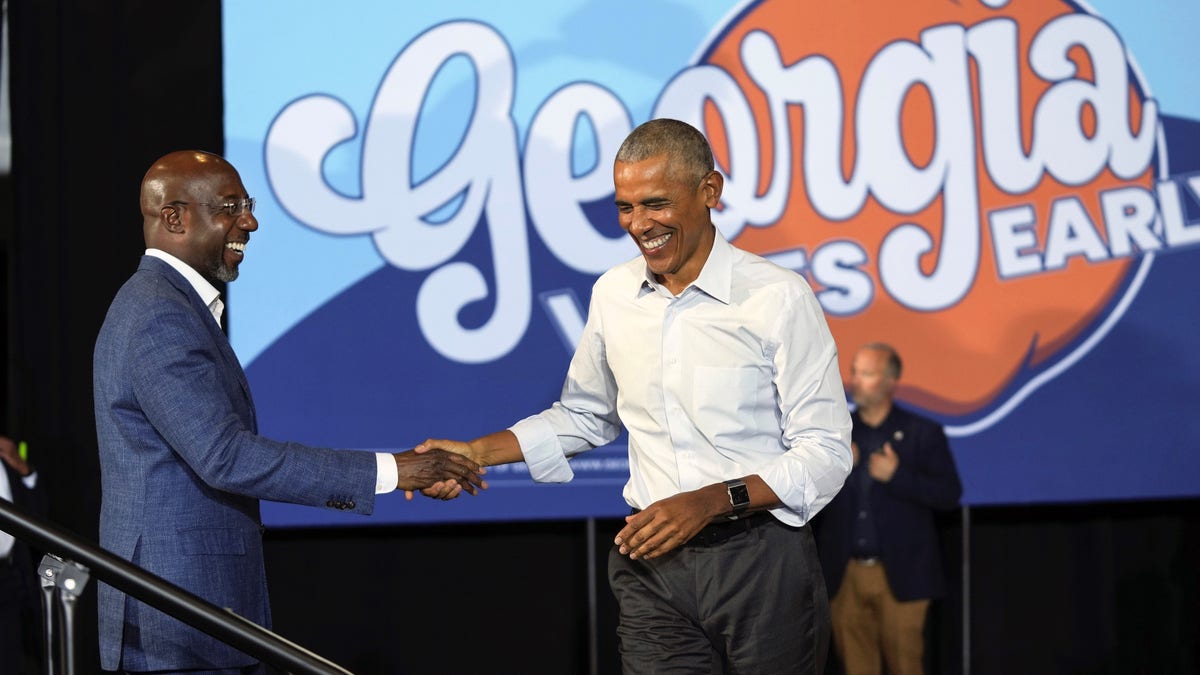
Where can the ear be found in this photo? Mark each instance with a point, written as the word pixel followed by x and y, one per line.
pixel 712 184
pixel 172 218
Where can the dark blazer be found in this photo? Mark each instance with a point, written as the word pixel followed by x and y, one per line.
pixel 925 480
pixel 182 470
pixel 32 502
pixel 20 591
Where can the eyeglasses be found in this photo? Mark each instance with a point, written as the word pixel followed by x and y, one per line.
pixel 232 208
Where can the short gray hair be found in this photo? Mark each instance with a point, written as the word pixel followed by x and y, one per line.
pixel 685 147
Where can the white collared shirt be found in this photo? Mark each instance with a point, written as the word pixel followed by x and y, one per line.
pixel 6 493
pixel 386 472
pixel 207 292
pixel 735 376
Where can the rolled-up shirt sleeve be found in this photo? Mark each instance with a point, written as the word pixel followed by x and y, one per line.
pixel 543 454
pixel 584 417
pixel 814 416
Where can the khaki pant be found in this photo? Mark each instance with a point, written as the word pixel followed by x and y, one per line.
pixel 869 623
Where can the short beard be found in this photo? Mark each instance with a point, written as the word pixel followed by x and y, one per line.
pixel 222 272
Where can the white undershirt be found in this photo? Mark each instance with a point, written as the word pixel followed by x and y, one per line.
pixel 6 493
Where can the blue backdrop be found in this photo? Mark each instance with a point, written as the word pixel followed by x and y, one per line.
pixel 435 200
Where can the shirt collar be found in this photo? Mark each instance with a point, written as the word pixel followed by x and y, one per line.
pixel 715 278
pixel 207 292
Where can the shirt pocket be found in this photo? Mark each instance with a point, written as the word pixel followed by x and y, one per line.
pixel 212 541
pixel 724 400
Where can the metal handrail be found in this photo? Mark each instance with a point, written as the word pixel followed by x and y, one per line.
pixel 223 624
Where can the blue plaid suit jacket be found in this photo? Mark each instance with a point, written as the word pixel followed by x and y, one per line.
pixel 183 469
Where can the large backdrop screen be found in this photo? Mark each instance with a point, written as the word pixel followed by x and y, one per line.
pixel 1007 191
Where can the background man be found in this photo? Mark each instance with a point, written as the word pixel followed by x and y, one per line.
pixel 20 602
pixel 721 367
pixel 877 539
pixel 182 465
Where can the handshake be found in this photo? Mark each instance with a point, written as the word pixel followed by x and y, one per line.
pixel 440 469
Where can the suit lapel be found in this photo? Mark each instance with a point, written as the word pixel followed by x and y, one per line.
pixel 209 322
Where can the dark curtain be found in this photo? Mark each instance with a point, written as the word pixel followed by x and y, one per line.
pixel 1086 589
pixel 99 90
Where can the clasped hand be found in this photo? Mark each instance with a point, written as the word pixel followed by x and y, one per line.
pixel 10 456
pixel 881 464
pixel 438 473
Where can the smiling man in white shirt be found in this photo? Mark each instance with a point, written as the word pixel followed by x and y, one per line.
pixel 721 367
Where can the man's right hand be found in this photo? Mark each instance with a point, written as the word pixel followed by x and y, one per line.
pixel 501 447
pixel 457 447
pixel 11 457
pixel 450 490
pixel 436 467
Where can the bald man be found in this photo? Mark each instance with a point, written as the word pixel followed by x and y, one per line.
pixel 182 465
pixel 877 538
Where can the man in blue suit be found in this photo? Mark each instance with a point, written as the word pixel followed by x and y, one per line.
pixel 877 540
pixel 182 465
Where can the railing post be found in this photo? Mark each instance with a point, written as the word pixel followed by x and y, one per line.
pixel 49 635
pixel 61 577
pixel 64 581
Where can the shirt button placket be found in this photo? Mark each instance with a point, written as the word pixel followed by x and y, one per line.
pixel 673 378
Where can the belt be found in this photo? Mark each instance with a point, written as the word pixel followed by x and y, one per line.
pixel 869 561
pixel 715 533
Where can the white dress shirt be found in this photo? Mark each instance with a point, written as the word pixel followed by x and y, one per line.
pixel 735 376
pixel 386 472
pixel 6 493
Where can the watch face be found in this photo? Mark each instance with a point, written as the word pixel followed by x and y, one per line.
pixel 739 495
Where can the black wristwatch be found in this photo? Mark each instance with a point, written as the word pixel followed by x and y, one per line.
pixel 739 498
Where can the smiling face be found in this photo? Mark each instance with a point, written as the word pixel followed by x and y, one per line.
pixel 216 242
pixel 183 200
pixel 667 214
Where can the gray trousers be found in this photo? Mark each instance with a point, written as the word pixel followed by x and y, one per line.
pixel 754 603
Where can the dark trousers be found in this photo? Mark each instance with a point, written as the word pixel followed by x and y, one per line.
pixel 752 603
pixel 20 619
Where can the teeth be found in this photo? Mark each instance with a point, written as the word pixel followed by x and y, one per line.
pixel 240 247
pixel 656 242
